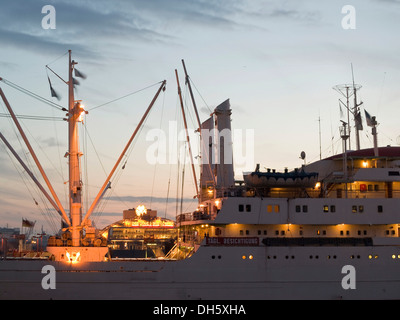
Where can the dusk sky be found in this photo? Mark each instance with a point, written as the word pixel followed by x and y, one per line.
pixel 277 62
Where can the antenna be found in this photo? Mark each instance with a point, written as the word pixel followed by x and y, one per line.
pixel 348 91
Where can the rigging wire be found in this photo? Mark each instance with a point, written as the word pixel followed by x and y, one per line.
pixel 33 95
pixel 118 173
pixel 30 117
pixel 127 95
pixel 200 95
pixel 158 151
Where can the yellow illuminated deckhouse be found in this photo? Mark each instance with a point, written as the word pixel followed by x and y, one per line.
pixel 326 230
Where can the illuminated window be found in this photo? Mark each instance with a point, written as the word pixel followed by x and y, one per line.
pixel 251 257
pixel 326 208
pixel 269 208
pixel 354 209
pixel 276 208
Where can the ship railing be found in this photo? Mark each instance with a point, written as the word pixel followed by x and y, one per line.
pixel 192 216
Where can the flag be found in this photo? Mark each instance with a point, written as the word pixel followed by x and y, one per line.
pixel 368 119
pixel 53 92
pixel 79 74
pixel 28 224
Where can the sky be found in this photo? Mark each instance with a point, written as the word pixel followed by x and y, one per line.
pixel 277 62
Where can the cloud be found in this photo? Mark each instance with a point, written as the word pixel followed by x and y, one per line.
pixel 78 27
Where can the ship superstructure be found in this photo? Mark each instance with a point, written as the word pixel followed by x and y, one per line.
pixel 326 230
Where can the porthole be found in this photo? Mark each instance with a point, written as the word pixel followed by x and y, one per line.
pixel 251 257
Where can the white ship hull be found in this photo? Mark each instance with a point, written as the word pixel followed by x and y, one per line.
pixel 217 273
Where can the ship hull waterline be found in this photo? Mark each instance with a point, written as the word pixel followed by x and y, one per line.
pixel 224 273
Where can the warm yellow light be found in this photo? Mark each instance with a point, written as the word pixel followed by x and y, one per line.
pixel 250 257
pixel 318 185
pixel 141 210
pixel 74 257
pixel 80 118
pixel 365 164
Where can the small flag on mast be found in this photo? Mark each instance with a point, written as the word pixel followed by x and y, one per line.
pixel 53 92
pixel 79 74
pixel 368 119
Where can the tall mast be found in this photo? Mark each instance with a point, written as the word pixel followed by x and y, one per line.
pixel 106 183
pixel 356 112
pixel 75 184
pixel 191 95
pixel 204 153
pixel 187 134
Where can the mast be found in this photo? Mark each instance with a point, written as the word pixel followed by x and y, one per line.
pixel 344 135
pixel 75 110
pixel 35 158
pixel 187 134
pixel 356 111
pixel 191 95
pixel 99 195
pixel 205 151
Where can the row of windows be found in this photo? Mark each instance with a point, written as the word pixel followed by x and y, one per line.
pixel 304 208
pixel 318 232
pixel 270 208
pixel 332 208
pixel 316 257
